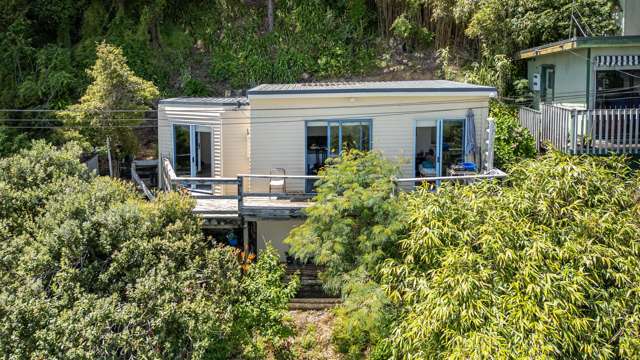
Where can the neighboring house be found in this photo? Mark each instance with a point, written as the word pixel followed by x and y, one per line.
pixel 585 72
pixel 586 90
pixel 272 144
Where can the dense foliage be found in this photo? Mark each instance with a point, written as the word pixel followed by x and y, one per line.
pixel 542 265
pixel 545 266
pixel 90 270
pixel 114 102
pixel 204 47
pixel 353 223
pixel 513 143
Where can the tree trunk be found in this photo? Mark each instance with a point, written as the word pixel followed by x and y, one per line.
pixel 270 15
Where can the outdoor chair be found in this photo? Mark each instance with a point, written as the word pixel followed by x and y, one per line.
pixel 276 181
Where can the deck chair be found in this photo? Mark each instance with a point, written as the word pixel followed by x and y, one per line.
pixel 278 182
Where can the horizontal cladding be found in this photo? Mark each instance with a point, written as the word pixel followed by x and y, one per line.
pixel 280 142
pixel 198 115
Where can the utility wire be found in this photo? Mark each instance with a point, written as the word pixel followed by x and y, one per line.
pixel 350 117
pixel 204 105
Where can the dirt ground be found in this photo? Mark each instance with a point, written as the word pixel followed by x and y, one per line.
pixel 313 335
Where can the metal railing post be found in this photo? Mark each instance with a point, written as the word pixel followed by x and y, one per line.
pixel 240 193
pixel 491 133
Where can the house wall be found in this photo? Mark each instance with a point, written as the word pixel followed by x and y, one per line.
pixel 573 72
pixel 278 136
pixel 274 232
pixel 229 127
pixel 630 12
pixel 570 76
pixel 235 145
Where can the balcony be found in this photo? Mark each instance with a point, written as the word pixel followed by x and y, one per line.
pixel 574 131
pixel 215 206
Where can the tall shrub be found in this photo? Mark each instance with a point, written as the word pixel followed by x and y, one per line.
pixel 90 270
pixel 353 221
pixel 513 143
pixel 545 266
pixel 113 103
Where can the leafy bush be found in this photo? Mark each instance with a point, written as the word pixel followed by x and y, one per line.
pixel 363 321
pixel 544 266
pixel 353 222
pixel 90 270
pixel 513 143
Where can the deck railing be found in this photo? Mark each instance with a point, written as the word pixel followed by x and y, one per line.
pixel 202 188
pixel 141 184
pixel 595 131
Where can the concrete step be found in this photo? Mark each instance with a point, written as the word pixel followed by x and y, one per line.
pixel 313 304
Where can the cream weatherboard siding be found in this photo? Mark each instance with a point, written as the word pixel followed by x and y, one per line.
pixel 278 126
pixel 228 125
pixel 235 145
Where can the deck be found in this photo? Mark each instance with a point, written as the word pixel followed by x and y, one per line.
pixel 252 206
pixel 218 209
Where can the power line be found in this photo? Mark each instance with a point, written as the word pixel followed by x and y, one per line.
pixel 350 117
pixel 204 105
pixel 563 95
pixel 106 111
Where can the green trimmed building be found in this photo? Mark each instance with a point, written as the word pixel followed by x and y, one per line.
pixel 589 72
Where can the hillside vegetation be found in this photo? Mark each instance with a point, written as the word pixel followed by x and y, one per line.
pixel 220 47
pixel 202 47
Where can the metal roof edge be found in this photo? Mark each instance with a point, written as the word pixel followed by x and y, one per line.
pixel 478 88
pixel 174 101
pixel 578 42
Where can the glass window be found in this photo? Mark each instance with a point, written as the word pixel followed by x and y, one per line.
pixel 182 141
pixel 617 89
pixel 317 146
pixel 329 139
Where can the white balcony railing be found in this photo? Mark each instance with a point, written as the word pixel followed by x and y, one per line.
pixel 595 131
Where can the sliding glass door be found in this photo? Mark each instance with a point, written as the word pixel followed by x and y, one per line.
pixel 182 150
pixel 192 150
pixel 450 148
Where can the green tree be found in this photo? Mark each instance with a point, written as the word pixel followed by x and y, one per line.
pixel 354 224
pixel 513 143
pixel 543 266
pixel 114 102
pixel 91 270
pixel 353 221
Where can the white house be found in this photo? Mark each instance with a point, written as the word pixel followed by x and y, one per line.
pixel 285 133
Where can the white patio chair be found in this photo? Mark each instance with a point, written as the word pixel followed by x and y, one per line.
pixel 276 181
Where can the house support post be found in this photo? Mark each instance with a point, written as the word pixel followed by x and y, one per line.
pixel 574 131
pixel 245 239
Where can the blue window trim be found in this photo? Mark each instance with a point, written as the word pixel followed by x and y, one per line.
pixel 440 139
pixel 369 122
pixel 439 128
pixel 192 146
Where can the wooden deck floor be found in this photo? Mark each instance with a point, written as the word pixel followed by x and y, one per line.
pixel 264 207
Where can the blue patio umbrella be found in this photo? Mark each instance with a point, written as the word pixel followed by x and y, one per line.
pixel 470 134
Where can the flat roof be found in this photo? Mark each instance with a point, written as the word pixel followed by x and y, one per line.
pixel 222 101
pixel 418 86
pixel 577 43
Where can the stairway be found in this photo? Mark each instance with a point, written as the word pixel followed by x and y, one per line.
pixel 311 295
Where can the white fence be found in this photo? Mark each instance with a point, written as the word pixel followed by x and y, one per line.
pixel 596 131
